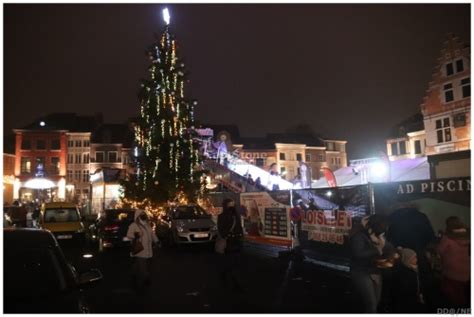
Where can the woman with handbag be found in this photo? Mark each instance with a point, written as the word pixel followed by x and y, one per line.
pixel 142 236
pixel 229 243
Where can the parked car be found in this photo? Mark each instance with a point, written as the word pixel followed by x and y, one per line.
pixel 37 277
pixel 187 224
pixel 64 221
pixel 110 229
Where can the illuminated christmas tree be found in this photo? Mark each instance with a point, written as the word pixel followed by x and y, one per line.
pixel 166 157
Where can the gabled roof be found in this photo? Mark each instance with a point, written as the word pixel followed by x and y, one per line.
pixel 257 144
pixel 113 134
pixel 64 121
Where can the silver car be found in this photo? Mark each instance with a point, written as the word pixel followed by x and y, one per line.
pixel 191 224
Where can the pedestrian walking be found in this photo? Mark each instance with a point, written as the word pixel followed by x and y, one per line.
pixel 229 244
pixel 141 233
pixel 406 291
pixel 454 250
pixel 367 245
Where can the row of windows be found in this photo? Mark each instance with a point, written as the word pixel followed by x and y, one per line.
pixel 335 160
pixel 78 143
pixel 26 144
pixel 299 157
pixel 76 176
pixel 112 157
pixel 26 165
pixel 465 85
pixel 399 148
pixel 78 158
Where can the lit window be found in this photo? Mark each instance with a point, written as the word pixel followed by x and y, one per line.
pixel 448 92
pixel 25 165
pixel 443 130
pixel 85 176
pixel 466 87
pixel 69 176
pixel 55 165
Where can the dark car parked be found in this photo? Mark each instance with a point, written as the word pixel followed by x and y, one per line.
pixel 37 278
pixel 110 229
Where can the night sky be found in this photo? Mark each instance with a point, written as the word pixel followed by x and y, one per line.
pixel 351 71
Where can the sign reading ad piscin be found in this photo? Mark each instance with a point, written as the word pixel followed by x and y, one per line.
pixel 438 199
pixel 266 217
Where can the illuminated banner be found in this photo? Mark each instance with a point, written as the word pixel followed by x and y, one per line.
pixel 266 217
pixel 326 218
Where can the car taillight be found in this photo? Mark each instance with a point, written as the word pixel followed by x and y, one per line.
pixel 111 228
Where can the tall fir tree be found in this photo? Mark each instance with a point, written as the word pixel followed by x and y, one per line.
pixel 167 157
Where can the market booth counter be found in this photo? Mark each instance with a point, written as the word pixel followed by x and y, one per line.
pixel 106 186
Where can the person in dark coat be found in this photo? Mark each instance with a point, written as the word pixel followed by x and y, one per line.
pixel 410 228
pixel 229 226
pixel 367 244
pixel 406 291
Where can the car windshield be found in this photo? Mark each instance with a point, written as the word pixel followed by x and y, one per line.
pixel 190 212
pixel 31 272
pixel 119 215
pixel 61 215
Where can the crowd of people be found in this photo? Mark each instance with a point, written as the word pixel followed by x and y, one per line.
pixel 392 271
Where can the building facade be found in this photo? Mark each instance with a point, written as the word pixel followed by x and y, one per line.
pixel 447 104
pixel 78 166
pixel 336 155
pixel 40 152
pixel 286 151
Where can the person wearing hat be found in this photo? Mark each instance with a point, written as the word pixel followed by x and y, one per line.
pixel 407 296
pixel 454 250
